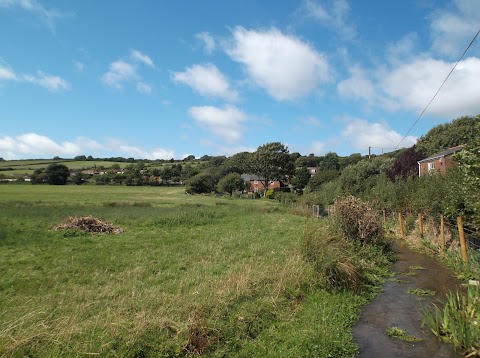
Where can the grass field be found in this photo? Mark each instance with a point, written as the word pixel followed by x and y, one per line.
pixel 189 275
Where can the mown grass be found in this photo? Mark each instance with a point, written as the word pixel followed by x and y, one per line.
pixel 189 275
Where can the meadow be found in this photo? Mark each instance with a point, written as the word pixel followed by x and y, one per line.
pixel 188 275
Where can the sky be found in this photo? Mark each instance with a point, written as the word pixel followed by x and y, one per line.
pixel 168 79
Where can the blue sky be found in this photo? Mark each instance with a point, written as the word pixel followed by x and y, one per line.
pixel 165 79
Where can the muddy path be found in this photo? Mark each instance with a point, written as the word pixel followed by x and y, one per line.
pixel 396 307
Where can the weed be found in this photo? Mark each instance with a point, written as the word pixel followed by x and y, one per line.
pixel 397 280
pixel 401 334
pixel 421 292
pixel 458 322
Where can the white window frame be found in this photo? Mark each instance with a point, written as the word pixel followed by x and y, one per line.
pixel 431 166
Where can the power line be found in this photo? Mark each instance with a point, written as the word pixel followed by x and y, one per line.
pixel 445 80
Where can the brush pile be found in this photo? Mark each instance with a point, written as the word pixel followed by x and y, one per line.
pixel 88 224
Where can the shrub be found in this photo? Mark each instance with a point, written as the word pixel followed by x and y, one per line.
pixel 357 220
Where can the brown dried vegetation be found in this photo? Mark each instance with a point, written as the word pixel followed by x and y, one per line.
pixel 89 224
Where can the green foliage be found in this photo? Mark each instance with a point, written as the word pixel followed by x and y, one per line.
pixel 271 161
pixel 331 161
pixel 231 182
pixel 202 183
pixel 360 178
pixel 78 178
pixel 459 321
pixel 322 177
pixel 469 167
pixel 302 176
pixel 463 130
pixel 57 174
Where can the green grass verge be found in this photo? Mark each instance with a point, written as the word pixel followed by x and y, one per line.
pixel 188 275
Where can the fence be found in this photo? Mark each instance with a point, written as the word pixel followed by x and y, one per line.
pixel 469 239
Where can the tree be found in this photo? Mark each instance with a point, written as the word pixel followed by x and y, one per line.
pixel 302 176
pixel 38 176
pixel 242 161
pixel 57 174
pixel 231 182
pixel 272 160
pixel 202 183
pixel 406 164
pixel 331 161
pixel 463 130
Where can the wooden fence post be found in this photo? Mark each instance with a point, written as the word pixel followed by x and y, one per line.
pixel 420 225
pixel 442 232
pixel 400 218
pixel 463 244
pixel 384 219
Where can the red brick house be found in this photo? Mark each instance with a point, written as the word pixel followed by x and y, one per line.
pixel 438 163
pixel 257 184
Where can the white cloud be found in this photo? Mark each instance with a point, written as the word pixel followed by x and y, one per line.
pixel 7 74
pixel 285 66
pixel 362 134
pixel 156 153
pixel 403 50
pixel 206 80
pixel 413 84
pixel 144 88
pixel 42 79
pixel 123 72
pixel 32 145
pixel 410 86
pixel 119 73
pixel 48 16
pixel 336 15
pixel 208 41
pixel 35 145
pixel 141 57
pixel 225 122
pixel 358 86
pixel 453 28
pixel 50 82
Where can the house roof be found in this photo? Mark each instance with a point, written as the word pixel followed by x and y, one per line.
pixel 442 154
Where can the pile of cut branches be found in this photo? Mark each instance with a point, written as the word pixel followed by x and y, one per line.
pixel 89 224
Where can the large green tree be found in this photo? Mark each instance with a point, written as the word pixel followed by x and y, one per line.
pixel 272 161
pixel 231 182
pixel 57 174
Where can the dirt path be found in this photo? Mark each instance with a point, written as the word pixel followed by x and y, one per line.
pixel 396 307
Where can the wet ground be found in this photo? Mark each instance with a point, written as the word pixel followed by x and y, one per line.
pixel 396 307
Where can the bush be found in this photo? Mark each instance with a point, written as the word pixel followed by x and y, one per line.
pixel 357 220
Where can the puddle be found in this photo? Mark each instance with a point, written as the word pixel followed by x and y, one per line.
pixel 396 307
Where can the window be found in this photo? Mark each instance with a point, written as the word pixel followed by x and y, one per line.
pixel 431 166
